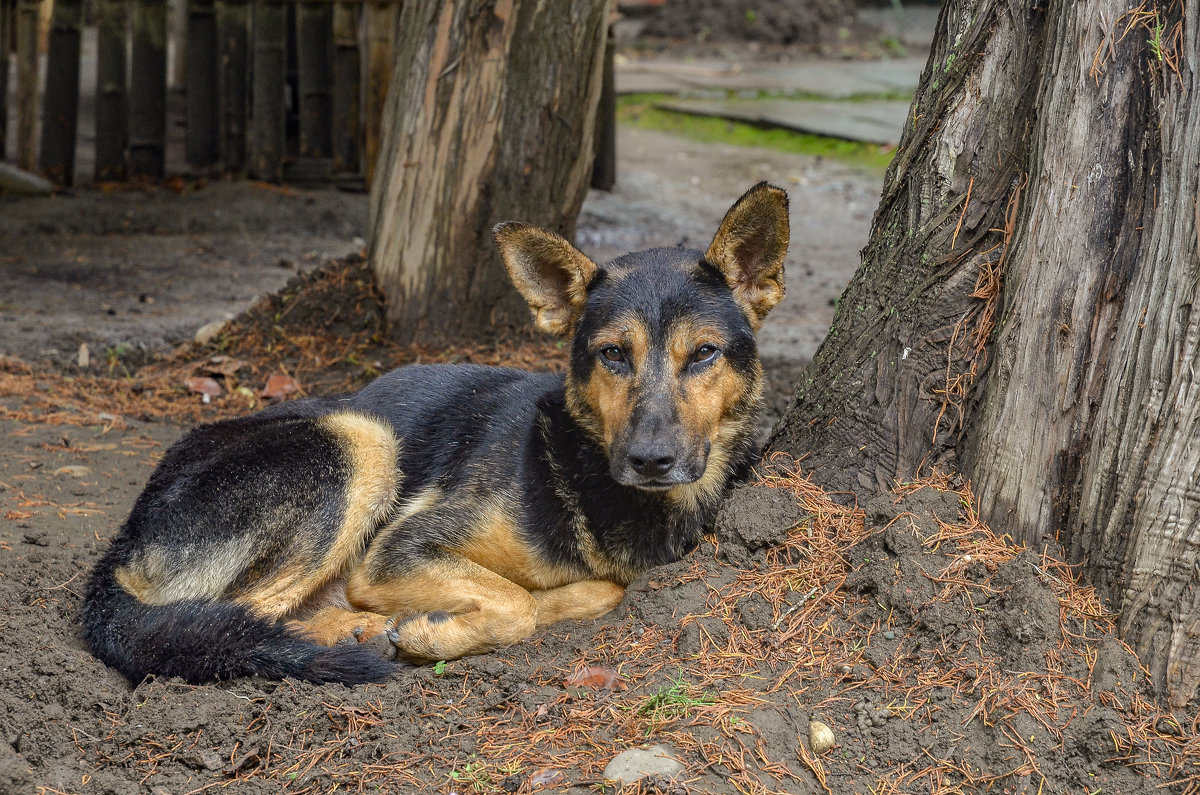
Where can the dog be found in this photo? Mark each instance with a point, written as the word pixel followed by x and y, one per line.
pixel 455 509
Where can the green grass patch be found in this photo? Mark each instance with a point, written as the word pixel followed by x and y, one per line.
pixel 638 110
pixel 675 700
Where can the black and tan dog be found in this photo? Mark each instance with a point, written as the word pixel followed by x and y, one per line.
pixel 457 508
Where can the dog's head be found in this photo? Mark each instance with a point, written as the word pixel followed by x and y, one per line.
pixel 664 370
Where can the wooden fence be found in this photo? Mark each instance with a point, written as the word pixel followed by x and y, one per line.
pixel 287 90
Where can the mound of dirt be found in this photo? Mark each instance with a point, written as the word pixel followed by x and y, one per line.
pixel 782 22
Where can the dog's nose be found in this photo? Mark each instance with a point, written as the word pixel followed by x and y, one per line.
pixel 653 461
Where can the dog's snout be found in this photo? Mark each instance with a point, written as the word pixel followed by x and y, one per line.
pixel 653 460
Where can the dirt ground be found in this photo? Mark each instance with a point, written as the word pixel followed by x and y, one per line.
pixel 942 659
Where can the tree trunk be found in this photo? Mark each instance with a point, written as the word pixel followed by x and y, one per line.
pixel 1023 308
pixel 490 118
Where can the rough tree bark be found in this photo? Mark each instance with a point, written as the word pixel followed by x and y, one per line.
pixel 490 118
pixel 1023 310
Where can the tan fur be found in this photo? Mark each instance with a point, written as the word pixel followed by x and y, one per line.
pixel 495 546
pixel 372 449
pixel 749 249
pixel 280 592
pixel 330 625
pixel 606 396
pixel 711 482
pixel 548 271
pixel 204 572
pixel 583 600
pixel 486 610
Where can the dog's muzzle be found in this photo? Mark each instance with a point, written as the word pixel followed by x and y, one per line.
pixel 657 465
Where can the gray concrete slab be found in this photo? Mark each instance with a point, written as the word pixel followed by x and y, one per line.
pixel 870 121
pixel 833 79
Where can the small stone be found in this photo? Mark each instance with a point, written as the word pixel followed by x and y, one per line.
pixel 206 759
pixel 845 669
pixel 820 737
pixel 889 635
pixel 208 331
pixel 638 763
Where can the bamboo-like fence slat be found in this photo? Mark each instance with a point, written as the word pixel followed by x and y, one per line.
pixel 202 143
pixel 148 95
pixel 112 93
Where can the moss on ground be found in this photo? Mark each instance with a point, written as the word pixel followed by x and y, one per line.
pixel 639 110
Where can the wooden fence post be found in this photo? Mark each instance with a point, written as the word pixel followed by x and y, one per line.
pixel 233 30
pixel 314 30
pixel 381 36
pixel 27 83
pixel 148 97
pixel 347 89
pixel 6 35
pixel 112 97
pixel 270 65
pixel 604 167
pixel 60 102
pixel 203 143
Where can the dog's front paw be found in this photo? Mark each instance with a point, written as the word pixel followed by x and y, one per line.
pixel 332 626
pixel 420 637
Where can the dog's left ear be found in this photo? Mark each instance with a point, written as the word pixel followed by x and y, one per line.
pixel 548 271
pixel 750 247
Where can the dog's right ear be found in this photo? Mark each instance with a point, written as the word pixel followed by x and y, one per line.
pixel 548 271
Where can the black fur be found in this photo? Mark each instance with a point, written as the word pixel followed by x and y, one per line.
pixel 238 508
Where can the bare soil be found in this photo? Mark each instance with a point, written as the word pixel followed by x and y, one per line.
pixel 943 659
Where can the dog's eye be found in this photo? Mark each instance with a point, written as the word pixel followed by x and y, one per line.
pixel 612 353
pixel 704 354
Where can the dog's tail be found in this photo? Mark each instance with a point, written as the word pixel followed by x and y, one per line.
pixel 204 640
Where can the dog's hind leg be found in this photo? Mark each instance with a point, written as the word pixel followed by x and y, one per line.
pixel 580 600
pixel 313 557
pixel 447 608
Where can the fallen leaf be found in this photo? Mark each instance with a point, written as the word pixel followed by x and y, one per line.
pixel 204 385
pixel 279 386
pixel 74 470
pixel 547 777
pixel 224 366
pixel 593 676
